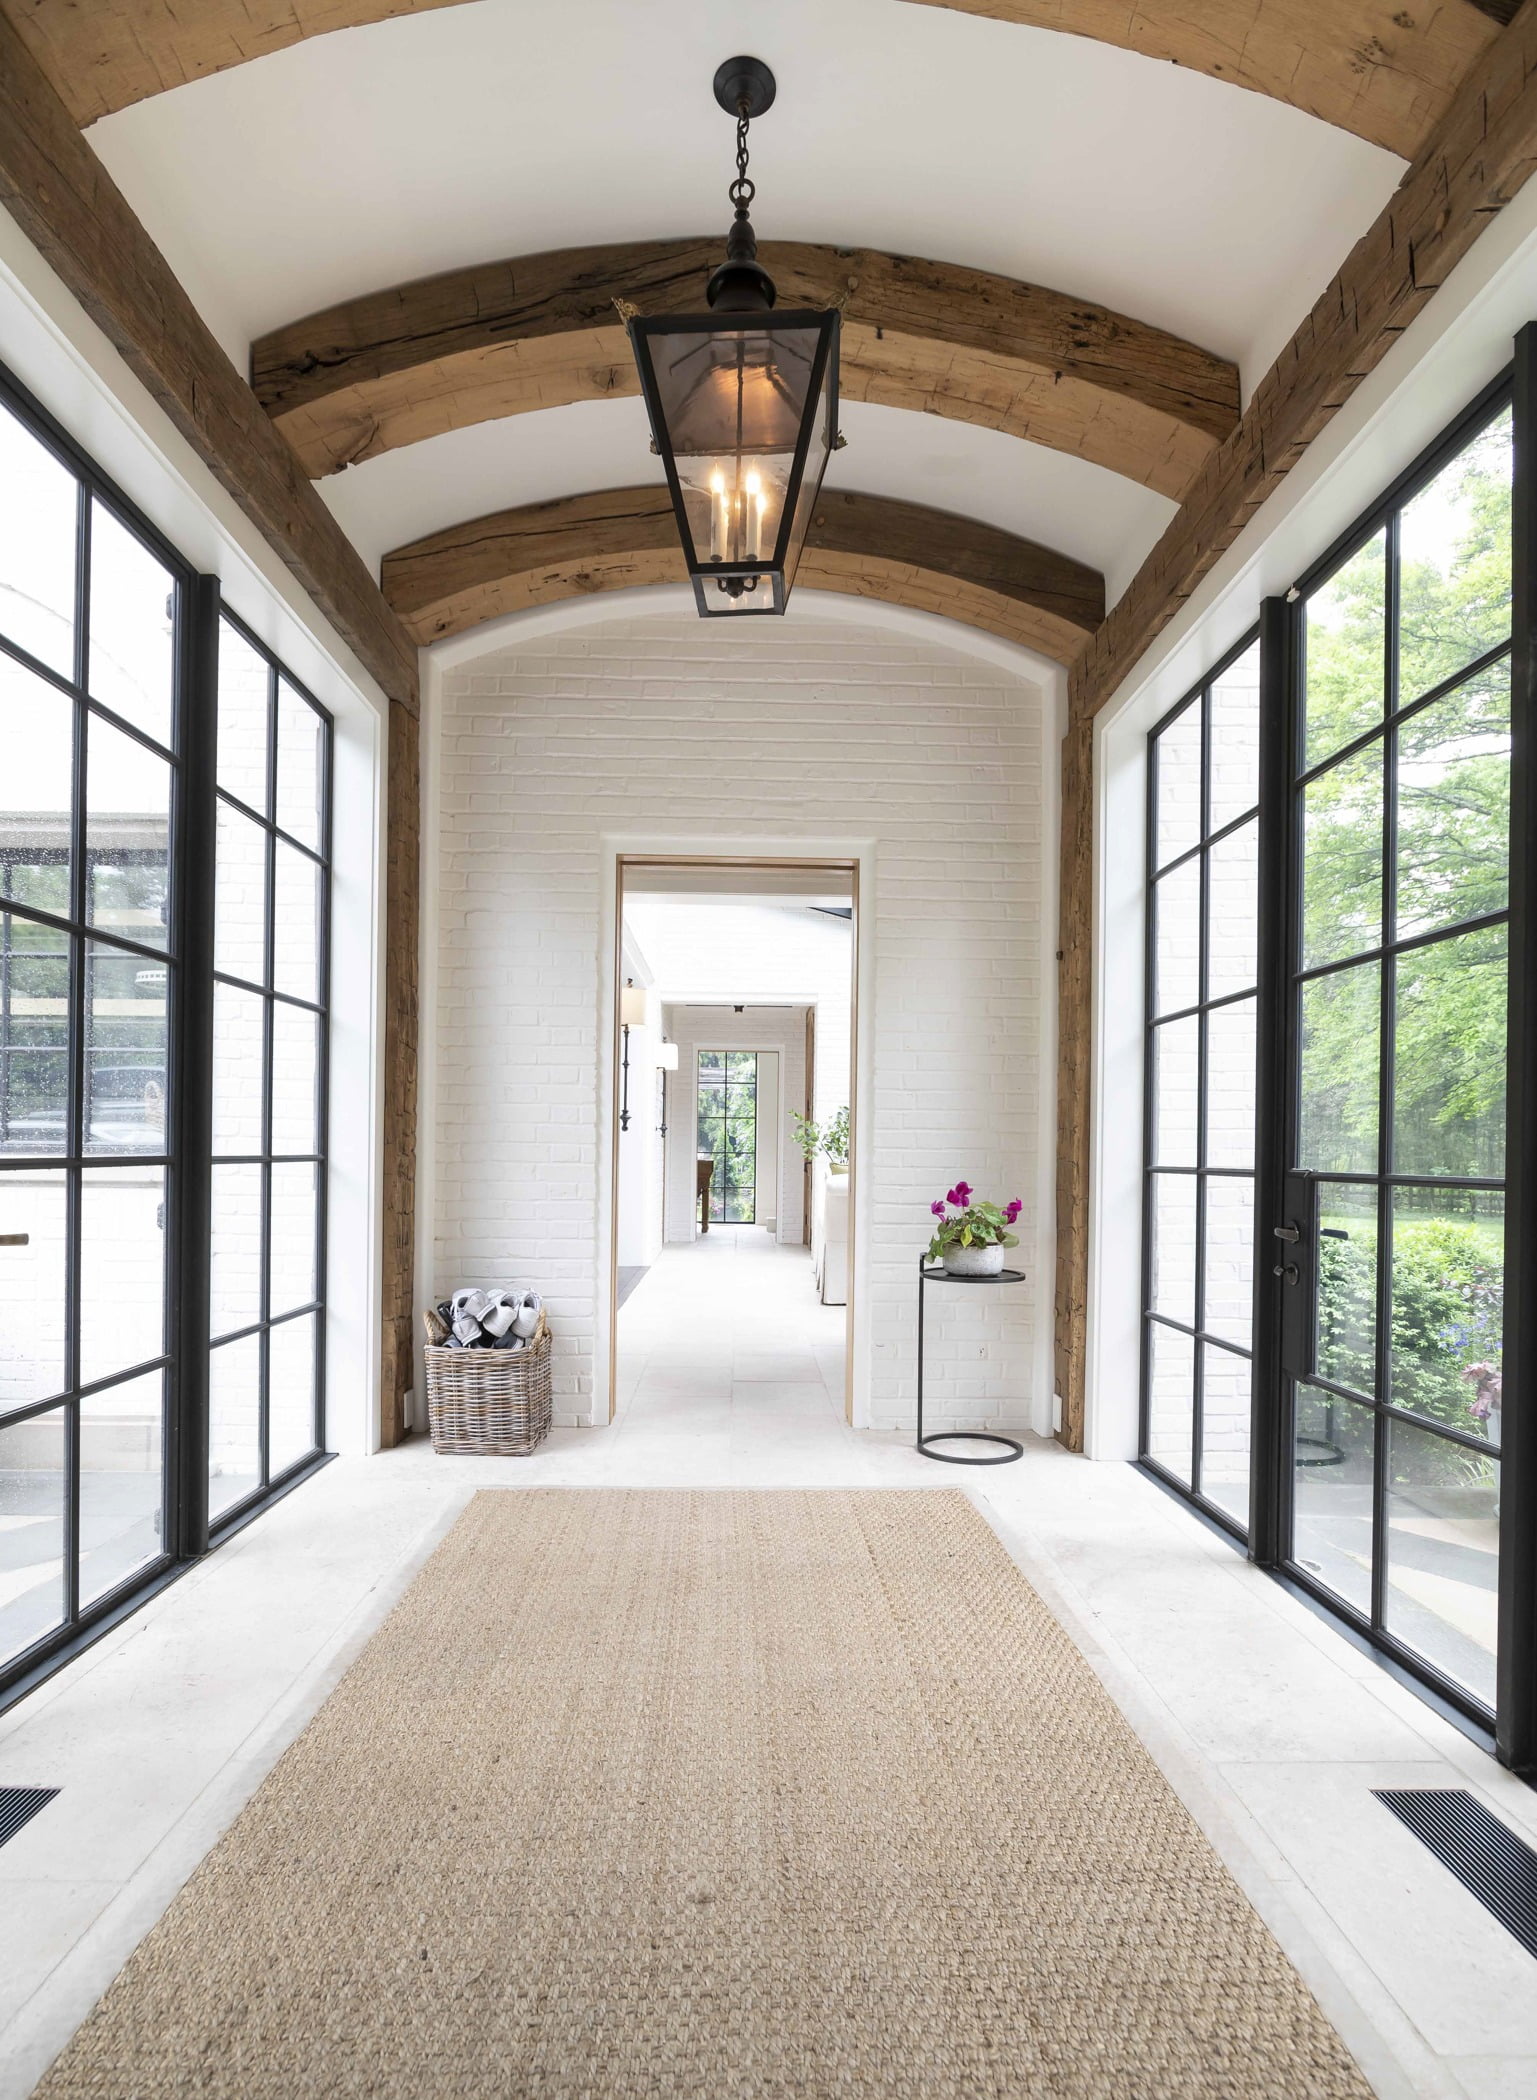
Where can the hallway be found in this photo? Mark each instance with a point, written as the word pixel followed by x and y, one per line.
pixel 725 1352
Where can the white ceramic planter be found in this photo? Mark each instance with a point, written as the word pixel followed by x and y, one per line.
pixel 974 1261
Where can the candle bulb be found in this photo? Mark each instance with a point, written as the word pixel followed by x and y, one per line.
pixel 717 516
pixel 754 518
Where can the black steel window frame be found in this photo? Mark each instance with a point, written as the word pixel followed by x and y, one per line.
pixel 1201 1173
pixel 1281 1300
pixel 1512 1729
pixel 187 957
pixel 265 1159
pixel 719 1192
pixel 76 934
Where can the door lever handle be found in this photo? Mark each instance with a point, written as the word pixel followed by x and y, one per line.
pixel 1289 1233
pixel 14 1239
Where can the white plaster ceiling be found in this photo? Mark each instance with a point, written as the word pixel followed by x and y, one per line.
pixel 1080 509
pixel 355 160
pixel 361 159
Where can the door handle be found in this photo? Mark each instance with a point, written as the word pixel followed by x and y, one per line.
pixel 1288 1269
pixel 15 1239
pixel 1289 1233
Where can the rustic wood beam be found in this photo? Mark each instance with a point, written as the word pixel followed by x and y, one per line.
pixel 539 331
pixel 868 546
pixel 1481 153
pixel 62 198
pixel 106 54
pixel 1375 67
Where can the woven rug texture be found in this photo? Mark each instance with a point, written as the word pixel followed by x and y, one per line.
pixel 647 1793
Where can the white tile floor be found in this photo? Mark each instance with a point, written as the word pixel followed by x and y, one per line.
pixel 1273 1730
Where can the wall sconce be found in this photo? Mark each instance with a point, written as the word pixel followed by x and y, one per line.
pixel 633 1005
pixel 666 1061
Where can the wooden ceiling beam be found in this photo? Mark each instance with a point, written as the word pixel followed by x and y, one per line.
pixel 540 331
pixel 1375 67
pixel 866 546
pixel 1481 154
pixel 62 198
pixel 106 54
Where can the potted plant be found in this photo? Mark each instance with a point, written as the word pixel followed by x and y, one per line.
pixel 973 1240
pixel 832 1143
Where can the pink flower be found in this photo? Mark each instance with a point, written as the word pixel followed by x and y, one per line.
pixel 1014 1210
pixel 938 1209
pixel 960 1195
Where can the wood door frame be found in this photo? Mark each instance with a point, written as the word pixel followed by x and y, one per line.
pixel 843 865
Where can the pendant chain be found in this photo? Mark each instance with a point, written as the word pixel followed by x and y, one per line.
pixel 742 190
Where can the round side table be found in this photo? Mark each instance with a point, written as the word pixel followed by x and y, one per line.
pixel 1011 1450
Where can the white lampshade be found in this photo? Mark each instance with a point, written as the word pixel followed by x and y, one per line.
pixel 633 1005
pixel 667 1057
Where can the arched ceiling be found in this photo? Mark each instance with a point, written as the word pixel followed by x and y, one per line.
pixel 1373 67
pixel 1086 512
pixel 865 546
pixel 1126 207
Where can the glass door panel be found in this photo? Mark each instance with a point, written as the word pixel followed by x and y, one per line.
pixel 88 982
pixel 1391 1246
pixel 1203 967
pixel 270 1043
pixel 728 1132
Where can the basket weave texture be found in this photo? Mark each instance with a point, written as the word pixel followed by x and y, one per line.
pixel 494 1402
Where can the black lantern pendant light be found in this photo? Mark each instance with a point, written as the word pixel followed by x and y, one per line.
pixel 743 404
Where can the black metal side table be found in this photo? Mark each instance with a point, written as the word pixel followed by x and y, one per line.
pixel 1011 1450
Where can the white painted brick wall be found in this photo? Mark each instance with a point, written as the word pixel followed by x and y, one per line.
pixel 663 726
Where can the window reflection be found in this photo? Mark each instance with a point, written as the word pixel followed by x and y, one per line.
pixel 1443 1546
pixel 1332 1458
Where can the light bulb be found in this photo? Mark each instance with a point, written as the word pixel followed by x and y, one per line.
pixel 717 516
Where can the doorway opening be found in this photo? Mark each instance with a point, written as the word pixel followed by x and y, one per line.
pixel 733 1160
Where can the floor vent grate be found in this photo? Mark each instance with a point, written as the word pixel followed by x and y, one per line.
pixel 1485 1856
pixel 19 1804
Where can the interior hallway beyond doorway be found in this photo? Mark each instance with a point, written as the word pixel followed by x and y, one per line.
pixel 724 1343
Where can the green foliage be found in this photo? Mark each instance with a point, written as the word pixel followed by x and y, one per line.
pixel 833 1141
pixel 982 1225
pixel 1447 1316
pixel 1453 821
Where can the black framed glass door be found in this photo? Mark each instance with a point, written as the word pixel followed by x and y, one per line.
pixel 1393 1071
pixel 1390 1249
pixel 728 1132
pixel 92 622
pixel 132 745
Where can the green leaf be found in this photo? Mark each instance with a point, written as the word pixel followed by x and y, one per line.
pixel 966 1236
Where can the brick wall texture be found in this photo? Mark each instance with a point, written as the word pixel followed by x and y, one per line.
pixel 669 730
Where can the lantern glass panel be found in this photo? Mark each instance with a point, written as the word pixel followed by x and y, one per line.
pixel 733 402
pixel 820 440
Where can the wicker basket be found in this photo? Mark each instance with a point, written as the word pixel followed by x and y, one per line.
pixel 494 1402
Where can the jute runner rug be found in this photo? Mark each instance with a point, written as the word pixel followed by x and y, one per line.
pixel 642 1794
